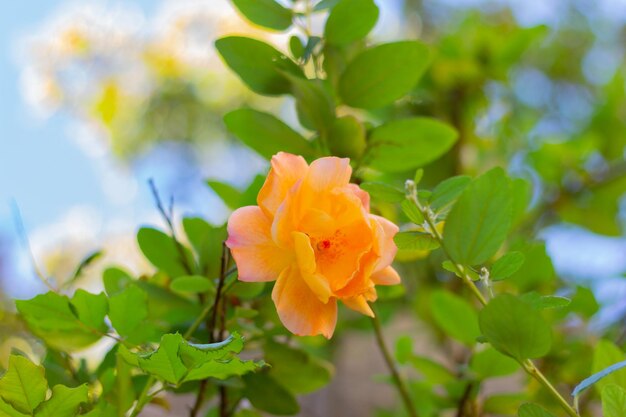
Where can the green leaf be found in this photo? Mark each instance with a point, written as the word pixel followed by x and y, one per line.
pixel 506 266
pixel 401 145
pixel 296 47
pixel 446 192
pixel 295 369
pixel 128 311
pixel 380 75
pixel 177 361
pixel 268 395
pixel 7 411
pixel 314 104
pixel 160 249
pixel 605 356
pixel 192 284
pixel 91 309
pixel 325 4
pixel 490 363
pixel 533 410
pixel 584 302
pixel 404 349
pixel 433 372
pixel 65 402
pixel 350 20
pixel 56 320
pixel 207 241
pixel 383 192
pixel 412 212
pixel 451 267
pixel 613 401
pixel 455 316
pixel 24 384
pixel 415 241
pixel 165 363
pixel 226 192
pixel 266 134
pixel 257 64
pixel 515 328
pixel 88 260
pixel 115 280
pixel 480 220
pixel 266 13
pixel 540 302
pixel 503 404
pixel 346 137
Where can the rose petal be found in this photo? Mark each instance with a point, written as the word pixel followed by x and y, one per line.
pixel 386 276
pixel 286 170
pixel 308 269
pixel 257 257
pixel 299 309
pixel 359 303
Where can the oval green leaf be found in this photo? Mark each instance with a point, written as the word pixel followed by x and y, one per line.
pixel 401 145
pixel 380 75
pixel 350 20
pixel 266 13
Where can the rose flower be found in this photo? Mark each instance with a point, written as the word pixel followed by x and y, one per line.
pixel 312 232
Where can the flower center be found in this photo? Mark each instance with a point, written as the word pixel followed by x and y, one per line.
pixel 323 244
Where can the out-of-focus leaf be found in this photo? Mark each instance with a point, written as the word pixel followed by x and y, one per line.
pixel 207 241
pixel 415 241
pixel 613 401
pixel 405 144
pixel 446 192
pixel 490 363
pixel 257 64
pixel 64 402
pixel 162 252
pixel 266 134
pixel 533 410
pixel 266 13
pixel 346 137
pixel 383 192
pixel 605 355
pixel 455 316
pixel 540 302
pixel 268 395
pixel 380 75
pixel 24 384
pixel 226 192
pixel 350 20
pixel 192 284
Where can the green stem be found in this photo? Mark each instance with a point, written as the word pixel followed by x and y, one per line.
pixel 528 365
pixel 412 195
pixel 143 397
pixel 534 372
pixel 397 378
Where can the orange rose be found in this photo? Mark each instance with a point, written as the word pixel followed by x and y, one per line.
pixel 312 231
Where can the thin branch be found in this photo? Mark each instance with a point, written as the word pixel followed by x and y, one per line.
pixel 168 217
pixel 397 378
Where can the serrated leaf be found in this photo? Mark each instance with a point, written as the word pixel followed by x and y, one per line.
pixel 480 220
pixel 515 328
pixel 383 192
pixel 24 384
pixel 266 13
pixel 382 74
pixel 350 20
pixel 401 145
pixel 506 266
pixel 455 316
pixel 64 402
pixel 128 310
pixel 257 64
pixel 53 318
pixel 266 134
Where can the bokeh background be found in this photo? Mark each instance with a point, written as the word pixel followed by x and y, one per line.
pixel 96 98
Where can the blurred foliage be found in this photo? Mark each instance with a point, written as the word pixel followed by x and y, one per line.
pixel 476 91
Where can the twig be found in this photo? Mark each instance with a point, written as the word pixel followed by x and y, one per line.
pixel 168 219
pixel 397 378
